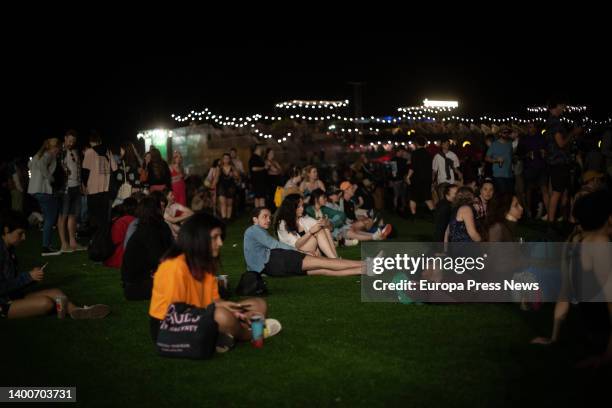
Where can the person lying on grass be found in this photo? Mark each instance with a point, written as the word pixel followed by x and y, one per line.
pixel 302 231
pixel 264 254
pixel 188 275
pixel 17 298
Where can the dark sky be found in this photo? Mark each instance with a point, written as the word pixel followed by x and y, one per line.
pixel 119 85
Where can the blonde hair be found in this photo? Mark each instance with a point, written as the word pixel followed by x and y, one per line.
pixel 47 145
pixel 306 172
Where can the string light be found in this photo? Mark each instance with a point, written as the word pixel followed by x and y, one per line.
pixel 296 104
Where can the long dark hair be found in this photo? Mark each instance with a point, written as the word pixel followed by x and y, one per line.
pixel 158 165
pixel 497 209
pixel 130 157
pixel 149 211
pixel 286 212
pixel 194 242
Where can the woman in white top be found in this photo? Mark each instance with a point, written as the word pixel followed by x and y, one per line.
pixel 42 166
pixel 301 231
pixel 175 213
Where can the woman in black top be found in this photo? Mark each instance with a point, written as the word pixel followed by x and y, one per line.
pixel 419 177
pixel 144 250
pixel 158 172
pixel 257 167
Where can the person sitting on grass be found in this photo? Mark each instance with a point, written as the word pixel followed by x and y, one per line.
pixel 339 220
pixel 17 297
pixel 487 191
pixel 462 225
pixel 121 222
pixel 175 213
pixel 144 249
pixel 302 231
pixel 162 202
pixel 360 220
pixel 264 254
pixel 188 274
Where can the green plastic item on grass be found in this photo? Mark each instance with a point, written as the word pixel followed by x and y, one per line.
pixel 401 295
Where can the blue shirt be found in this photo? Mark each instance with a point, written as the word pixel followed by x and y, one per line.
pixel 257 246
pixel 503 150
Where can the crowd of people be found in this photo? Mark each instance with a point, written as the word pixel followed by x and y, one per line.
pixel 164 231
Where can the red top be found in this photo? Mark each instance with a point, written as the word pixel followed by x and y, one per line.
pixel 178 186
pixel 118 231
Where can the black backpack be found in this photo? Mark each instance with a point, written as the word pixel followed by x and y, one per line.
pixel 251 284
pixel 101 246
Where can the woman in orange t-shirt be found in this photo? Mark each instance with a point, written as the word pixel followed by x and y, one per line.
pixel 188 274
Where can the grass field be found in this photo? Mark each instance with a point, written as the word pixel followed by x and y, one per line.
pixel 333 350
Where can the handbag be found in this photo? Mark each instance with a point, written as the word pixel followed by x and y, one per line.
pixel 251 284
pixel 125 190
pixel 188 332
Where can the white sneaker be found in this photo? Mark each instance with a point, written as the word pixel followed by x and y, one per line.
pixel 377 236
pixel 272 328
pixel 351 242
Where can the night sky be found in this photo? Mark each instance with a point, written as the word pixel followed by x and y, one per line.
pixel 121 85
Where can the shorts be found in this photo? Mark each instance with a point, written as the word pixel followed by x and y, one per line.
pixel 4 309
pixel 71 202
pixel 284 262
pixel 536 177
pixel 559 177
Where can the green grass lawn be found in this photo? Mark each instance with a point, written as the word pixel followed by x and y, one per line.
pixel 333 350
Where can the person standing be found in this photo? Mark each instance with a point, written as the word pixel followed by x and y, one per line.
pixel 158 172
pixel 275 172
pixel 177 174
pixel 445 165
pixel 42 166
pixel 98 164
pixel 419 176
pixel 399 173
pixel 229 178
pixel 70 196
pixel 500 155
pixel 258 168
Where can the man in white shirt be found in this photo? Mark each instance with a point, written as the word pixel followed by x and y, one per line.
pixel 445 165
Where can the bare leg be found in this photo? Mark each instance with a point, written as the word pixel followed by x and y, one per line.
pixel 552 205
pixel 429 204
pixel 311 263
pixel 412 207
pixel 545 196
pixel 61 229
pixel 329 272
pixel 72 228
pixel 326 244
pixel 31 307
pixel 222 206
pixel 310 245
pixel 230 324
pixel 51 294
pixel 359 236
pixel 230 204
